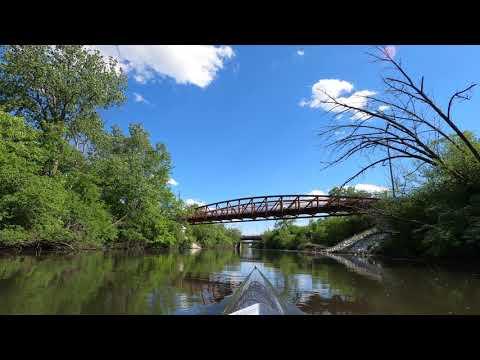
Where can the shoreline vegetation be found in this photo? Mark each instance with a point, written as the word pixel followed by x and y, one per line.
pixel 68 183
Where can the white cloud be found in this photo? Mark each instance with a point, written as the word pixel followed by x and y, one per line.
pixel 370 188
pixel 340 90
pixel 139 98
pixel 383 108
pixel 358 99
pixel 300 52
pixel 186 64
pixel 191 202
pixel 317 192
pixel 172 182
pixel 332 87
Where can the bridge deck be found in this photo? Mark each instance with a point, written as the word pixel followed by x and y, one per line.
pixel 279 207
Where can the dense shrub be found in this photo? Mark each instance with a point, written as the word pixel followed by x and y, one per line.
pixel 326 232
pixel 36 207
pixel 210 235
pixel 442 216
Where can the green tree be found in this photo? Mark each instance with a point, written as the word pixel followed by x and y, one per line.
pixel 442 216
pixel 211 235
pixel 133 177
pixel 58 84
pixel 64 179
pixel 348 191
pixel 327 232
pixel 36 209
pixel 59 88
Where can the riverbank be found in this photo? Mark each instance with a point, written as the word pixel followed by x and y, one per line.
pixel 427 260
pixel 366 242
pixel 80 248
pixel 369 243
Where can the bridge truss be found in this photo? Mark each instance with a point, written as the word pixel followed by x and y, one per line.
pixel 276 207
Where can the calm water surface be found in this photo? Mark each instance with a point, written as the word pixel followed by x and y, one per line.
pixel 201 283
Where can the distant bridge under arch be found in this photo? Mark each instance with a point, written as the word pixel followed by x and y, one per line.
pixel 251 238
pixel 276 207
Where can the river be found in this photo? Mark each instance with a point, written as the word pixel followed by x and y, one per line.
pixel 201 283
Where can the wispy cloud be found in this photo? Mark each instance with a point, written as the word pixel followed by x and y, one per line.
pixel 300 52
pixel 172 182
pixel 186 64
pixel 139 98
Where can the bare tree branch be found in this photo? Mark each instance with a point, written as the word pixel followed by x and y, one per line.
pixel 412 124
pixel 370 166
pixel 459 94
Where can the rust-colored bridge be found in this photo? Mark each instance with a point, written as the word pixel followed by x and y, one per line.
pixel 276 207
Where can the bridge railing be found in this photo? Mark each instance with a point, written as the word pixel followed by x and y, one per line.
pixel 260 206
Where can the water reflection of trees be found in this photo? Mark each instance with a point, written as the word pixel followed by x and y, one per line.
pixel 208 291
pixel 109 283
pixel 164 283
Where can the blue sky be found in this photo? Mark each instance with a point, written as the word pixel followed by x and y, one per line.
pixel 231 115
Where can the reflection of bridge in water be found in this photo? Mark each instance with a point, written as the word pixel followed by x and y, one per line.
pixel 211 291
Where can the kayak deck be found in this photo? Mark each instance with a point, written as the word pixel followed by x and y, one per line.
pixel 256 296
pixel 256 309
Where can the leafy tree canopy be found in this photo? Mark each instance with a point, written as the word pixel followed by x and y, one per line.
pixel 63 84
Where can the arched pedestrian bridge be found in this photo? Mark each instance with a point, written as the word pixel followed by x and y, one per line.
pixel 275 207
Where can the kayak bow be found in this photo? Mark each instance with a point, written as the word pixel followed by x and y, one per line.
pixel 257 296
